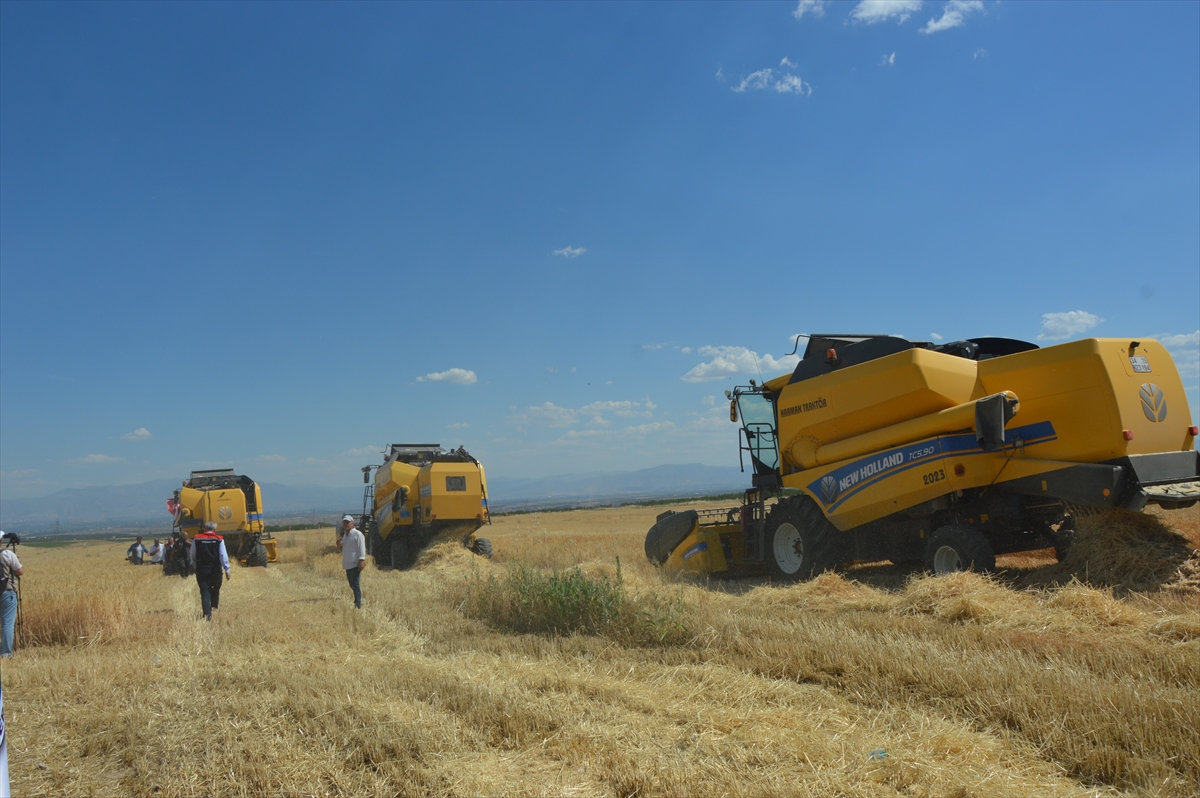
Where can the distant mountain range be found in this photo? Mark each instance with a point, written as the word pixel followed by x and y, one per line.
pixel 144 504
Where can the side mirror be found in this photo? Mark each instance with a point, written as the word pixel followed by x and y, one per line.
pixel 366 475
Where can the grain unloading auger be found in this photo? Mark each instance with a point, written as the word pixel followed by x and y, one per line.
pixel 878 448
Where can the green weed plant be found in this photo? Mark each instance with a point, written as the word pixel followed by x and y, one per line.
pixel 530 600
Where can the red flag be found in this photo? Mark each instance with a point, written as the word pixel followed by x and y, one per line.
pixel 172 506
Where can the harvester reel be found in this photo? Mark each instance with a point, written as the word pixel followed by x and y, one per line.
pixel 668 533
pixel 958 547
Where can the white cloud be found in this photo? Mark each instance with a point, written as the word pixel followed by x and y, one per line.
pixel 545 415
pixel 363 451
pixel 1057 326
pixel 655 346
pixel 888 60
pixel 456 376
pixel 793 84
pixel 1189 341
pixel 737 361
pixel 814 7
pixel 935 337
pixel 980 53
pixel 271 458
pixel 954 14
pixel 458 425
pixel 570 252
pixel 1185 351
pixel 98 458
pixel 765 79
pixel 623 409
pixel 872 11
pixel 139 434
pixel 720 73
pixel 709 401
pixel 687 350
pixel 786 63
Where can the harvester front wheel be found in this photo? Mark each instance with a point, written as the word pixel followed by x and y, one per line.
pixel 958 547
pixel 257 558
pixel 483 547
pixel 800 541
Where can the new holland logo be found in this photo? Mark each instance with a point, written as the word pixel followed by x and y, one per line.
pixel 1154 405
pixel 829 489
pixel 225 513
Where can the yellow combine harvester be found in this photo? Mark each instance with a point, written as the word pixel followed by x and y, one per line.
pixel 941 454
pixel 234 503
pixel 421 490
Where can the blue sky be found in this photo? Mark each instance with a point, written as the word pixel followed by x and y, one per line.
pixel 278 236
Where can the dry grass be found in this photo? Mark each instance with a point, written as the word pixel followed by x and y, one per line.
pixel 858 684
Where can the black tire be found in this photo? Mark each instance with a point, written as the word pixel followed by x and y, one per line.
pixel 1064 536
pixel 379 548
pixel 257 558
pixel 800 541
pixel 668 533
pixel 958 547
pixel 402 552
pixel 483 547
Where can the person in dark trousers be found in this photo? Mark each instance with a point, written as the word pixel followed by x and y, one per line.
pixel 354 556
pixel 208 557
pixel 136 552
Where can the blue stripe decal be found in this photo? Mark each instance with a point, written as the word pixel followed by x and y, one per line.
pixel 839 485
pixel 694 550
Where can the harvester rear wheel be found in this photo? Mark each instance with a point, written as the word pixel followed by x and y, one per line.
pixel 800 541
pixel 483 547
pixel 257 558
pixel 958 547
pixel 668 533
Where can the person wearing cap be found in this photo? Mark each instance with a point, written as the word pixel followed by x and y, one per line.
pixel 208 557
pixel 354 556
pixel 10 572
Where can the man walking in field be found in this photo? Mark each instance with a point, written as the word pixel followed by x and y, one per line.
pixel 354 556
pixel 208 556
pixel 10 572
pixel 136 552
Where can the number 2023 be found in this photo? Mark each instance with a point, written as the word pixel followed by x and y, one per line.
pixel 936 476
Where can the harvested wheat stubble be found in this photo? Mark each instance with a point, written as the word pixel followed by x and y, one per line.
pixel 961 685
pixel 1129 552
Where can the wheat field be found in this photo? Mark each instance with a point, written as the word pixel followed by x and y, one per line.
pixel 1080 678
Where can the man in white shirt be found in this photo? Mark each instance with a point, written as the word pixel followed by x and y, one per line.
pixel 10 572
pixel 156 553
pixel 354 556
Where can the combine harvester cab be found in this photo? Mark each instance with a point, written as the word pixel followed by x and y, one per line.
pixel 946 455
pixel 420 491
pixel 234 503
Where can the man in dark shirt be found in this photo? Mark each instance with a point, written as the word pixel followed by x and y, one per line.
pixel 208 557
